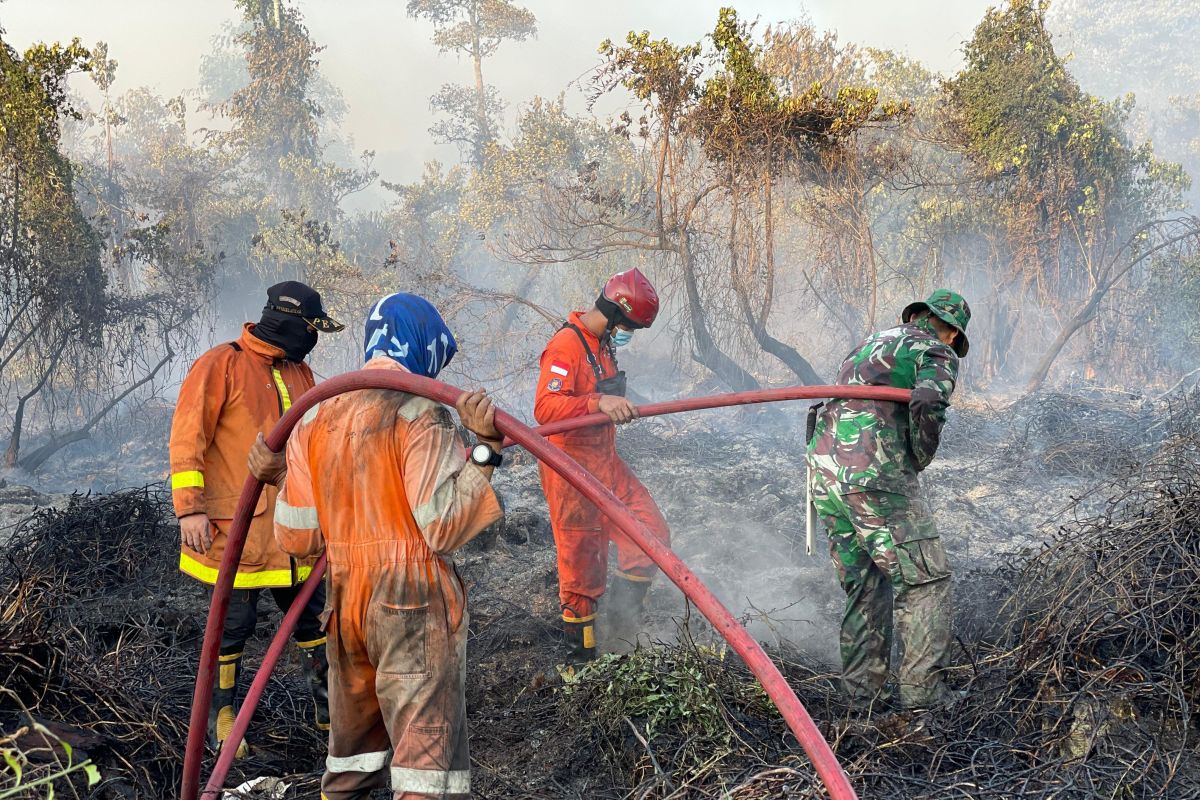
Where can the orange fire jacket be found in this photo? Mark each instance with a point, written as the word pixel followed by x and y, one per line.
pixel 232 392
pixel 380 479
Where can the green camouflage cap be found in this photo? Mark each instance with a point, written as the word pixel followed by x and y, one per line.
pixel 950 308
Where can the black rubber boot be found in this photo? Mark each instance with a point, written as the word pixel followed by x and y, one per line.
pixel 316 671
pixel 624 610
pixel 223 711
pixel 580 635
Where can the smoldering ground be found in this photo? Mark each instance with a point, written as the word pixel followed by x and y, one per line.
pixel 734 499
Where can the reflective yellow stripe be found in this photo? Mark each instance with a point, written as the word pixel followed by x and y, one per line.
pixel 191 479
pixel 635 578
pixel 312 644
pixel 243 580
pixel 227 675
pixel 230 657
pixel 302 573
pixel 284 398
pixel 588 618
pixel 589 637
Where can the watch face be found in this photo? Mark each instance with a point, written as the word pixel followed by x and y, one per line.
pixel 481 454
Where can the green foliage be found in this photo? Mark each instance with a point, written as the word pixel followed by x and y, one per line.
pixel 273 115
pixel 902 79
pixel 550 147
pixel 462 124
pixel 52 254
pixel 742 108
pixel 1147 49
pixel 475 27
pixel 1023 119
pixel 662 75
pixel 660 688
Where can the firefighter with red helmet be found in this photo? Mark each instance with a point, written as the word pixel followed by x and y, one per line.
pixel 579 376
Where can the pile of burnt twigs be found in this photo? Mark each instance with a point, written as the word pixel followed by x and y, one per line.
pixel 1082 689
pixel 99 635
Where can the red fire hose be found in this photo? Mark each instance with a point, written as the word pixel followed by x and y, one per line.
pixel 731 399
pixel 722 620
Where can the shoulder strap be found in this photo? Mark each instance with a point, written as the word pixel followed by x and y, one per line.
pixel 236 346
pixel 591 357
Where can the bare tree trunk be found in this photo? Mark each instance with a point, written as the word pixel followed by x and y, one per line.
pixel 1107 278
pixel 658 183
pixel 16 211
pixel 483 129
pixel 789 355
pixel 14 440
pixel 1081 318
pixel 757 323
pixel 706 351
pixel 34 460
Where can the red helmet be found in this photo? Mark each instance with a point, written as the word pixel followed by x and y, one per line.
pixel 634 297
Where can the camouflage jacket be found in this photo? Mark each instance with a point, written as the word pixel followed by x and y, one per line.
pixel 881 445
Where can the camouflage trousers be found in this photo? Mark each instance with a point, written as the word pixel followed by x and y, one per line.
pixel 892 566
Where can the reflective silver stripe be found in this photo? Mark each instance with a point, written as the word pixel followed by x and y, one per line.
pixel 310 415
pixel 295 516
pixel 431 781
pixel 363 762
pixel 415 406
pixel 439 504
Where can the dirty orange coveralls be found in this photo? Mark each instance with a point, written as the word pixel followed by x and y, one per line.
pixel 232 393
pixel 382 477
pixel 567 388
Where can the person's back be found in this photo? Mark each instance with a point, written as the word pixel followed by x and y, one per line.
pixel 381 460
pixel 878 444
pixel 381 481
pixel 863 463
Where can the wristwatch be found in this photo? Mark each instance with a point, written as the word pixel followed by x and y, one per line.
pixel 483 455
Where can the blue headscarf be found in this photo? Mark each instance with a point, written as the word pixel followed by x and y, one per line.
pixel 409 330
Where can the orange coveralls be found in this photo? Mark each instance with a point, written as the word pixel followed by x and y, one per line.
pixel 567 388
pixel 382 478
pixel 233 392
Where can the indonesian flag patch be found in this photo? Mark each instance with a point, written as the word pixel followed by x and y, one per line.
pixel 559 368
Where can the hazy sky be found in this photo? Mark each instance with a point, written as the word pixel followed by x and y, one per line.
pixel 387 68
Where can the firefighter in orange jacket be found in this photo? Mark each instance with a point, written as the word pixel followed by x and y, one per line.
pixel 380 480
pixel 232 394
pixel 579 376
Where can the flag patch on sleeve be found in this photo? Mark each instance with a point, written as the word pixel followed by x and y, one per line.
pixel 559 368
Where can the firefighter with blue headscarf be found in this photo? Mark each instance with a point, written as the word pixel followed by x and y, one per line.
pixel 380 480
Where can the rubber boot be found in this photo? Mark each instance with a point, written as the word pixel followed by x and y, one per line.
pixel 580 635
pixel 624 610
pixel 316 671
pixel 223 711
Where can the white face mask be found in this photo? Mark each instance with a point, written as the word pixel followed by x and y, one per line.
pixel 621 338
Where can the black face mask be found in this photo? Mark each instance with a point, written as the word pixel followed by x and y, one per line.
pixel 288 332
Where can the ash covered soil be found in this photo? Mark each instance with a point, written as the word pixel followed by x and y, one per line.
pixel 732 488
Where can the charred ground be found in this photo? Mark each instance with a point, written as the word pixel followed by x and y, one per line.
pixel 1071 521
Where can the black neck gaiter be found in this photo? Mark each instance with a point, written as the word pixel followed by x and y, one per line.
pixel 287 332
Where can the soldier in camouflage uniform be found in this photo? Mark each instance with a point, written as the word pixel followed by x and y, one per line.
pixel 863 460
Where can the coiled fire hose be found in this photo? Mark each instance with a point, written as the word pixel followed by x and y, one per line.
pixel 752 654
